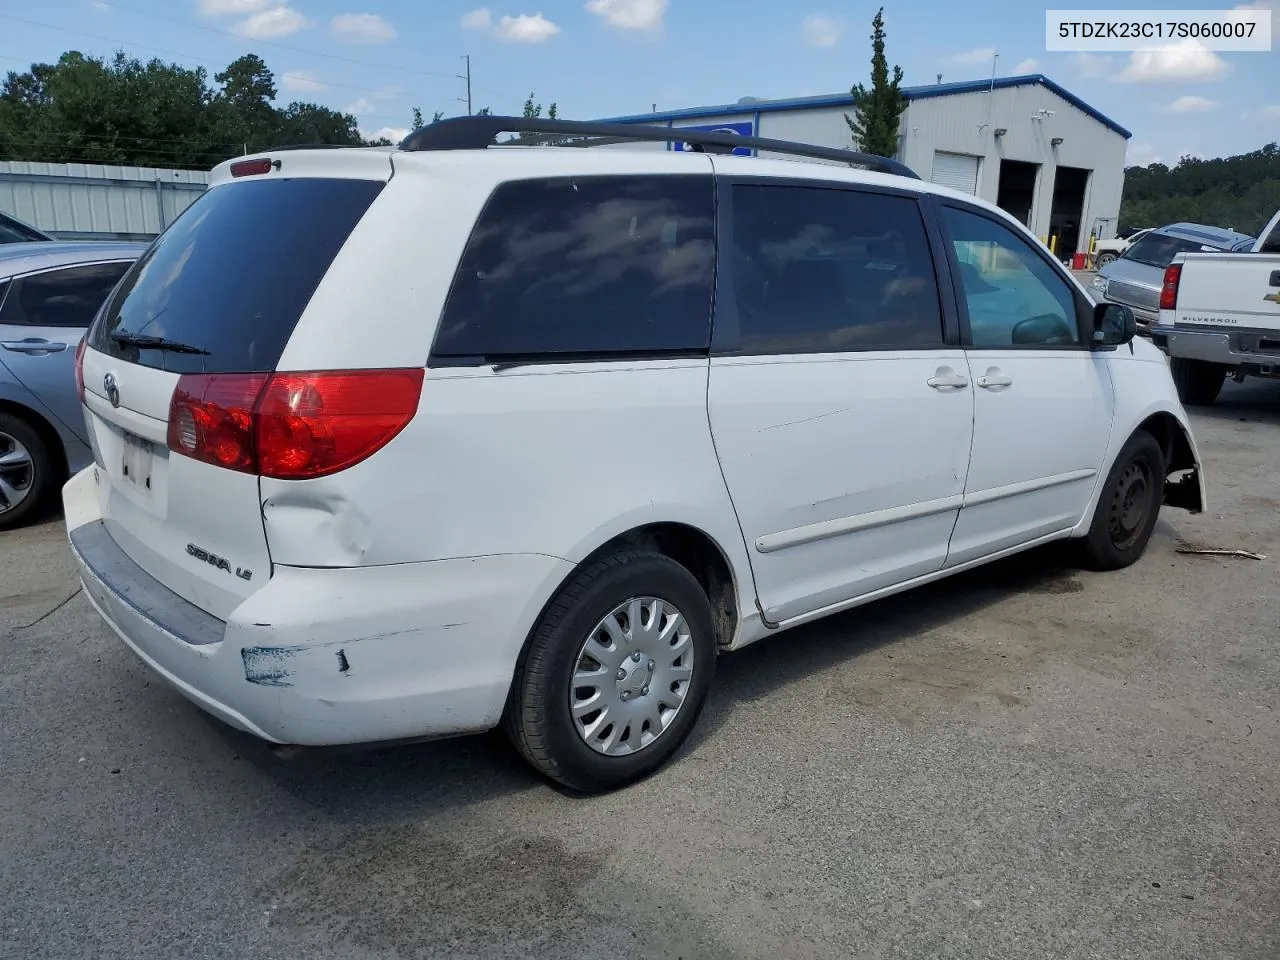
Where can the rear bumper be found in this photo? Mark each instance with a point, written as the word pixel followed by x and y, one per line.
pixel 1212 346
pixel 329 656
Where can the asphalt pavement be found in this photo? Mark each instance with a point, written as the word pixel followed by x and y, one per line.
pixel 1024 761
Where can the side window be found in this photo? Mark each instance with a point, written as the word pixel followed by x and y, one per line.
pixel 61 298
pixel 1014 297
pixel 1272 243
pixel 822 270
pixel 585 266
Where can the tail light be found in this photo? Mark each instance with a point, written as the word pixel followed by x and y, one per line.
pixel 1169 292
pixel 80 348
pixel 291 426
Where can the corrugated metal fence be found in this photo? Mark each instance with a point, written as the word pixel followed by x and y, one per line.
pixel 97 202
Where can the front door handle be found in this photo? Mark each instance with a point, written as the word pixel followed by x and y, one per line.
pixel 947 380
pixel 994 380
pixel 33 346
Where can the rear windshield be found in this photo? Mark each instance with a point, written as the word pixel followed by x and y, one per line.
pixel 232 275
pixel 1159 249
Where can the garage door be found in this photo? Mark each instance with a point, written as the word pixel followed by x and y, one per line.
pixel 959 171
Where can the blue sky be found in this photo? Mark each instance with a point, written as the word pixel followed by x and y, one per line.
pixel 380 58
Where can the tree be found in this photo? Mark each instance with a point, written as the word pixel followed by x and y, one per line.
pixel 1240 192
pixel 533 110
pixel 417 119
pixel 878 110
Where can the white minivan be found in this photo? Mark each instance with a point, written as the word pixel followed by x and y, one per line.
pixel 413 442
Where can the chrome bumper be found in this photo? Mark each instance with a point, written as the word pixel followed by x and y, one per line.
pixel 1211 346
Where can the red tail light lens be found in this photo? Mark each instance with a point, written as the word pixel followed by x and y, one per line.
pixel 80 348
pixel 291 426
pixel 1169 292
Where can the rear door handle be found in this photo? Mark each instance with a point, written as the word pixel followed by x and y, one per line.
pixel 33 346
pixel 947 380
pixel 990 381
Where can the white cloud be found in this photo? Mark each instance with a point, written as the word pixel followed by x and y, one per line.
pixel 99 7
pixel 481 19
pixel 360 107
pixel 218 8
pixel 394 134
pixel 301 81
pixel 1269 112
pixel 362 28
pixel 276 22
pixel 1091 66
pixel 1029 65
pixel 1274 7
pixel 1141 155
pixel 629 14
pixel 821 31
pixel 1191 105
pixel 975 56
pixel 1188 60
pixel 525 28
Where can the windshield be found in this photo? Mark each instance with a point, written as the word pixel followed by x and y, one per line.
pixel 229 279
pixel 1159 249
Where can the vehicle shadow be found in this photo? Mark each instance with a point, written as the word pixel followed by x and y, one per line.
pixel 1254 401
pixel 387 785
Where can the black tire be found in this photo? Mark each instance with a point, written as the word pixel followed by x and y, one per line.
pixel 1198 381
pixel 538 719
pixel 1104 258
pixel 1129 506
pixel 38 483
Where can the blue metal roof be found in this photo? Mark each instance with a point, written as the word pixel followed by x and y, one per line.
pixel 846 100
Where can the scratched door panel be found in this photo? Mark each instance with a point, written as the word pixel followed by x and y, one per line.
pixel 846 470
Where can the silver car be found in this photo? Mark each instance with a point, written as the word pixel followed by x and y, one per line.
pixel 1137 276
pixel 49 293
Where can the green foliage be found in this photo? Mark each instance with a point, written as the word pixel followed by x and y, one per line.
pixel 1241 192
pixel 417 119
pixel 124 111
pixel 878 110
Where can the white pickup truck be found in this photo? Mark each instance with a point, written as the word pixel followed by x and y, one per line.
pixel 1220 314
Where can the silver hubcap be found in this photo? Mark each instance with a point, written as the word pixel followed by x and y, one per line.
pixel 16 472
pixel 632 676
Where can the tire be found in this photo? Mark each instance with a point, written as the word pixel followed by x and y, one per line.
pixel 1129 506
pixel 28 473
pixel 1198 381
pixel 1105 258
pixel 539 718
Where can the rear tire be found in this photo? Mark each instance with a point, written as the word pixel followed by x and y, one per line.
pixel 1198 381
pixel 28 472
pixel 1128 507
pixel 1105 258
pixel 549 716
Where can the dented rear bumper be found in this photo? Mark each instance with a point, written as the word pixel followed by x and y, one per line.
pixel 331 656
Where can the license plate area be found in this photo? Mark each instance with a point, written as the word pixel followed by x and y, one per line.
pixel 136 460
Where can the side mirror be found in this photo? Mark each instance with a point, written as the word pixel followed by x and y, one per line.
pixel 1113 324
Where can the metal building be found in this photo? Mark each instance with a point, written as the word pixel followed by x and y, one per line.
pixel 89 201
pixel 1024 143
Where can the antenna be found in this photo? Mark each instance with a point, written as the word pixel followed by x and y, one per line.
pixel 466 77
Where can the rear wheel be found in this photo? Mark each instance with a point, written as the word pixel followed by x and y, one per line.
pixel 26 471
pixel 1198 381
pixel 1104 258
pixel 616 673
pixel 1129 506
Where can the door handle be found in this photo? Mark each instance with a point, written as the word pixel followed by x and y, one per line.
pixel 990 381
pixel 33 346
pixel 947 380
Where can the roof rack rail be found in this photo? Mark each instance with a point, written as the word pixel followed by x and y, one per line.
pixel 479 132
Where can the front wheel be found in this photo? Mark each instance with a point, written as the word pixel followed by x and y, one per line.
pixel 616 672
pixel 1198 381
pixel 1129 506
pixel 1105 258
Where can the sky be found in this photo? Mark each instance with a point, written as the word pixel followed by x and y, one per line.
pixel 377 59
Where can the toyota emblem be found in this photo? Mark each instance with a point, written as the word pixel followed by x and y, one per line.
pixel 112 387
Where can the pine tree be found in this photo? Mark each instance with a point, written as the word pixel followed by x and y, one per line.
pixel 878 110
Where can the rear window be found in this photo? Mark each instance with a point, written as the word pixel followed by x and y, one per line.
pixel 578 267
pixel 1158 249
pixel 232 275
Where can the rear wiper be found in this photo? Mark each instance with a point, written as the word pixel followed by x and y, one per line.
pixel 156 343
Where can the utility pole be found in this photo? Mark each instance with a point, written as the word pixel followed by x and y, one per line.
pixel 467 77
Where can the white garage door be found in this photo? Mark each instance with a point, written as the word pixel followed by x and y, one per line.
pixel 959 171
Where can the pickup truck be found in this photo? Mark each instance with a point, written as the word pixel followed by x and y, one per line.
pixel 1220 315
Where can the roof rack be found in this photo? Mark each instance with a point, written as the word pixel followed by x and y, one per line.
pixel 479 132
